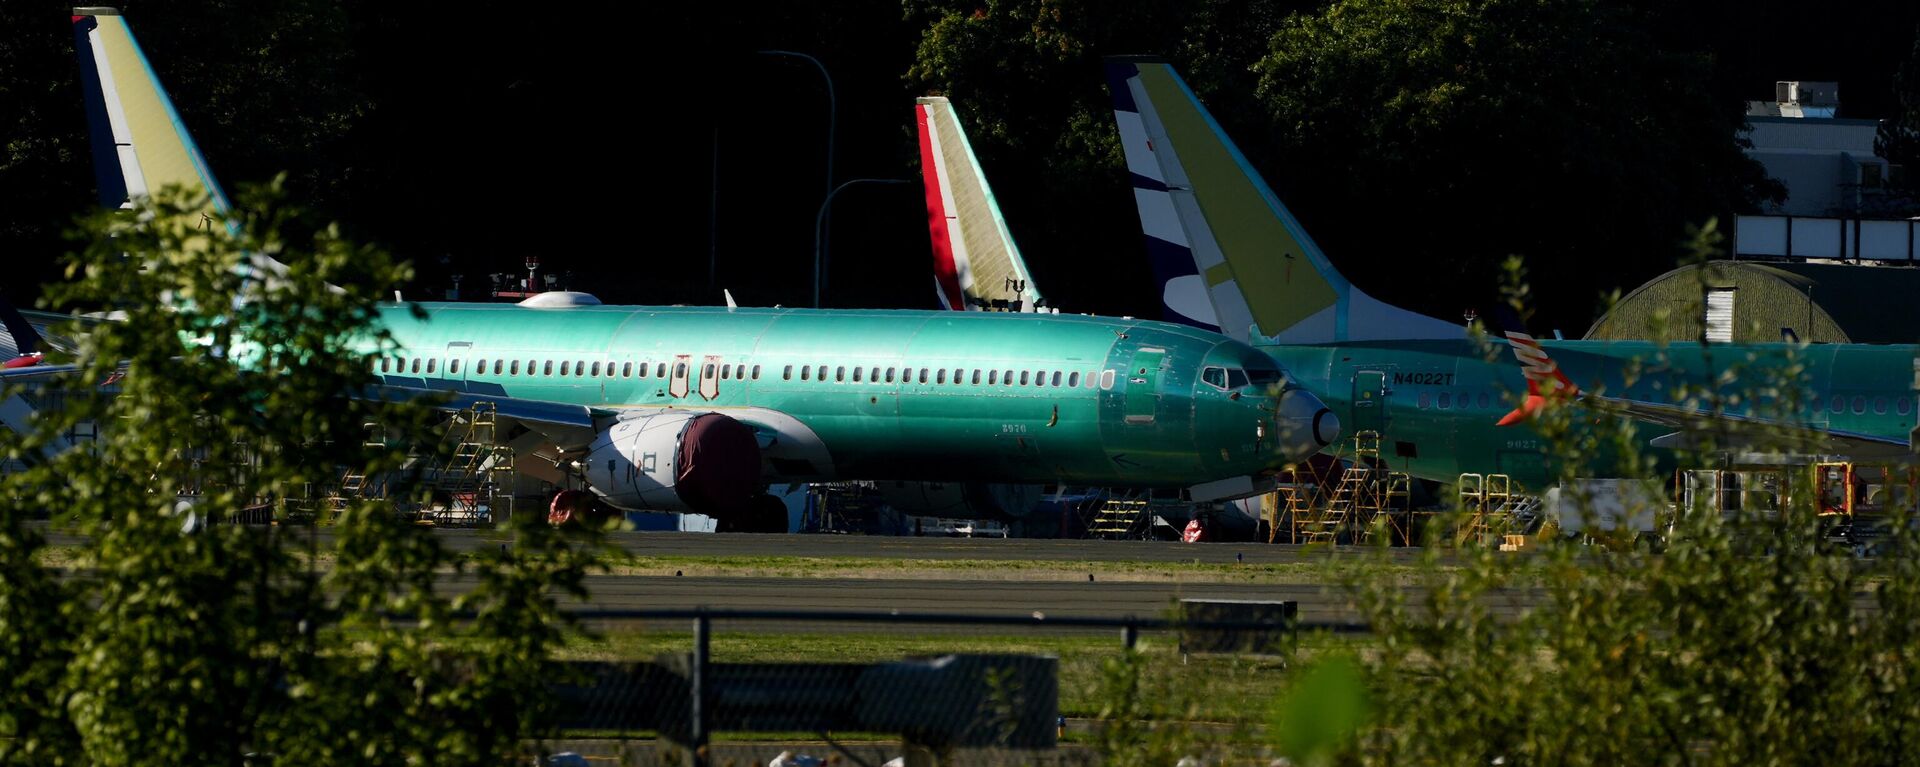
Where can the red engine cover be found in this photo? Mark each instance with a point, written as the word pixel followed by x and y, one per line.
pixel 719 465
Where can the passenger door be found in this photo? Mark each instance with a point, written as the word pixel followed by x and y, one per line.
pixel 710 377
pixel 1143 385
pixel 677 375
pixel 1369 401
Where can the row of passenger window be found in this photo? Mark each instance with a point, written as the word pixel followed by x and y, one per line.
pixel 743 372
pixel 953 376
pixel 1447 401
pixel 1902 405
pixel 569 368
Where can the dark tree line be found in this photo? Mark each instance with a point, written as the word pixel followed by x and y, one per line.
pixel 1421 141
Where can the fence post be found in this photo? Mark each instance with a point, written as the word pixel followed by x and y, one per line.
pixel 697 697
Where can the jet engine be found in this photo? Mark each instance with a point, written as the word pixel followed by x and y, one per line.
pixel 706 463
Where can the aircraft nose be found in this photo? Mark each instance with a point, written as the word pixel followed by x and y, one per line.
pixel 1306 424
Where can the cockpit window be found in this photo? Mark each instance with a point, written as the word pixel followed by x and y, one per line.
pixel 1267 377
pixel 1215 376
pixel 1236 378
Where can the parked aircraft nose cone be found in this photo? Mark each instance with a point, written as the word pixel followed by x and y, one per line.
pixel 1306 424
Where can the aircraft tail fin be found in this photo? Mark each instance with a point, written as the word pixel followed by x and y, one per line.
pixel 976 264
pixel 1228 253
pixel 1544 378
pixel 139 142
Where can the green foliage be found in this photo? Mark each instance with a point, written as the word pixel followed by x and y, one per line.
pixel 1321 711
pixel 225 386
pixel 1749 638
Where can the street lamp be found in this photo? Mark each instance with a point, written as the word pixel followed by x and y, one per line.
pixel 833 105
pixel 821 230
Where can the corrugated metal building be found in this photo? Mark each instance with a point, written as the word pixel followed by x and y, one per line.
pixel 1746 301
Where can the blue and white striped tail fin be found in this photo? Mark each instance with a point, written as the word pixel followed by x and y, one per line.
pixel 1227 253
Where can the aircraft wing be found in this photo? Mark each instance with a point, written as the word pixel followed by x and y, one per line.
pixel 1734 431
pixel 794 453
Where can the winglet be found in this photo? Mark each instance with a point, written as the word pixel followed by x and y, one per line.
pixel 730 304
pixel 1544 378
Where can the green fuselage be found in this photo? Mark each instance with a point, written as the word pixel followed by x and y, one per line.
pixel 919 395
pixel 1439 400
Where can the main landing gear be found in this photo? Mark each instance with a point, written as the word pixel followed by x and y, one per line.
pixel 764 514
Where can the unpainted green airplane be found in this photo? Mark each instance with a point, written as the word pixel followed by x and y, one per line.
pixel 1230 256
pixel 699 409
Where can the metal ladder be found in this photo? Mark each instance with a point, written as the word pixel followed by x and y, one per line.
pixel 1118 519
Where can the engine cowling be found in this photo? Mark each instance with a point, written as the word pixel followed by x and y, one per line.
pixel 960 500
pixel 706 463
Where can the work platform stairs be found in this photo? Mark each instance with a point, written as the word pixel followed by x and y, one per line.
pixel 1368 498
pixel 471 485
pixel 1496 514
pixel 1121 517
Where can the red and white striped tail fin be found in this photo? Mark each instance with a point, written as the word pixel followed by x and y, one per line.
pixel 1543 375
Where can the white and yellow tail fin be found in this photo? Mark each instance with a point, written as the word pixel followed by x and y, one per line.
pixel 1227 253
pixel 139 143
pixel 975 262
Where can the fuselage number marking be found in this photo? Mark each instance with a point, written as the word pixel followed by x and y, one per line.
pixel 1423 379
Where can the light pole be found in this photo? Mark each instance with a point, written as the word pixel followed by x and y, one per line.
pixel 833 105
pixel 821 230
